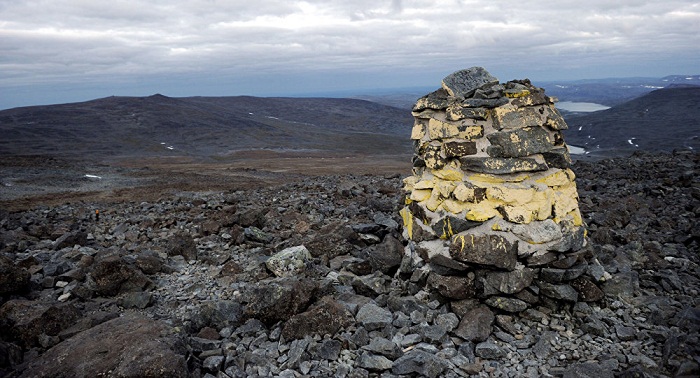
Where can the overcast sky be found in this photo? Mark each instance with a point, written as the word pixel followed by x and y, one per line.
pixel 55 51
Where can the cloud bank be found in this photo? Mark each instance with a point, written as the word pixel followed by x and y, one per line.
pixel 234 47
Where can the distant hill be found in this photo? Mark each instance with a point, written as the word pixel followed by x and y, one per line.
pixel 663 119
pixel 614 91
pixel 203 126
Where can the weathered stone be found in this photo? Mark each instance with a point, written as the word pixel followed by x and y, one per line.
pixel 489 350
pixel 384 347
pixel 447 226
pixel 558 158
pixel 564 292
pixel 182 244
pixel 587 290
pixel 501 166
pixel 516 214
pixel 623 284
pixel 137 299
pixel 457 112
pixel 453 287
pixel 386 256
pixel 588 370
pixel 329 350
pixel 373 317
pixel 475 325
pixel 493 250
pixel 279 299
pixel 535 97
pixel 538 232
pixel 517 118
pixel 438 130
pixel 459 149
pixel 289 261
pixel 112 275
pixel 519 142
pixel 129 346
pixel 489 103
pixel 555 121
pixel 255 234
pixel 436 100
pixel 24 320
pixel 374 362
pixel 325 317
pixel 506 304
pixel 433 158
pixel 420 362
pixel 467 192
pixel 509 282
pixel 464 83
pixel 13 278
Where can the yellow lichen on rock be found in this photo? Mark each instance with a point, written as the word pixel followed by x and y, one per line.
pixel 434 201
pixel 449 173
pixel 445 188
pixel 424 184
pixel 482 211
pixel 516 214
pixel 407 218
pixel 558 178
pixel 565 200
pixel 420 194
pixel 454 207
pixel 511 194
pixel 418 131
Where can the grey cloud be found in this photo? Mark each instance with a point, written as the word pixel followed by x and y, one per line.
pixel 64 41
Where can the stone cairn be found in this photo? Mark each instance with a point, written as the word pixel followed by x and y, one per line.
pixel 491 209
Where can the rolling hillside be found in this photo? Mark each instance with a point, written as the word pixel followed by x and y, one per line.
pixel 663 120
pixel 203 126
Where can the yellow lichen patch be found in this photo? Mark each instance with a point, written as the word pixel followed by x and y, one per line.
pixel 557 178
pixel 497 226
pixel 407 201
pixel 407 218
pixel 454 207
pixel 576 214
pixel 511 194
pixel 418 131
pixel 485 178
pixel 565 200
pixel 482 211
pixel 439 129
pixel 445 188
pixel 424 184
pixel 522 93
pixel 420 194
pixel 541 204
pixel 434 201
pixel 517 214
pixel 409 183
pixel 449 173
pixel 464 194
pixel 470 132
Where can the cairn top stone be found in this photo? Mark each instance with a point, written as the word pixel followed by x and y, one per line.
pixel 464 83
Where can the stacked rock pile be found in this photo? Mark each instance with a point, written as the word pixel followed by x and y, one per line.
pixel 492 207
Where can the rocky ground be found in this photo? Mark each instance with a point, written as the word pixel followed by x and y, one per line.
pixel 217 284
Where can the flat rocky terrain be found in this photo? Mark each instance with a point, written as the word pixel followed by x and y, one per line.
pixel 294 268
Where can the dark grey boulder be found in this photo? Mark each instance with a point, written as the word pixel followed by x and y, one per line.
pixel 279 299
pixel 464 83
pixel 325 317
pixel 419 362
pixel 23 321
pixel 13 278
pixel 475 325
pixel 492 250
pixel 130 346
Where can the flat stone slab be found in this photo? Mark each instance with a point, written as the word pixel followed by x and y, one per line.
pixel 464 83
